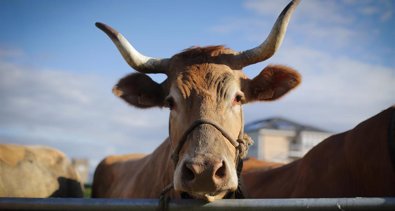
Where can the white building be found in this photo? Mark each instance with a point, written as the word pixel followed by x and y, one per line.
pixel 82 167
pixel 282 140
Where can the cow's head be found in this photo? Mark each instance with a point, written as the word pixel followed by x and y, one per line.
pixel 205 84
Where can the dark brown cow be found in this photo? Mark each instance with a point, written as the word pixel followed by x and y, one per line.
pixel 36 172
pixel 204 89
pixel 356 163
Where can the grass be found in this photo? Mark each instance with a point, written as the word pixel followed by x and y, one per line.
pixel 87 190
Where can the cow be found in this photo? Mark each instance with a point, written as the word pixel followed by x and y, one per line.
pixel 252 164
pixel 37 172
pixel 117 168
pixel 204 90
pixel 356 163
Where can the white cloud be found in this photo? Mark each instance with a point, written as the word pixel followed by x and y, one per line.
pixel 334 25
pixel 327 11
pixel 382 9
pixel 385 16
pixel 77 113
pixel 314 23
pixel 344 77
pixel 237 24
pixel 336 92
pixel 369 10
pixel 265 7
pixel 73 112
pixel 4 52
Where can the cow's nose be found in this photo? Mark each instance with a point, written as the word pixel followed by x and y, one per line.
pixel 204 176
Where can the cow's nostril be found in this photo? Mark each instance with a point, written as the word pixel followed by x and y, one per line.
pixel 221 171
pixel 187 173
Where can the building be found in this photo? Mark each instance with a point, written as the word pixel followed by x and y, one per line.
pixel 82 167
pixel 282 140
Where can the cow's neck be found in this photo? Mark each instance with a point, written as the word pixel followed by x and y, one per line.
pixel 160 169
pixel 275 183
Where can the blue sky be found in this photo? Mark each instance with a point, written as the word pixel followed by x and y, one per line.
pixel 57 69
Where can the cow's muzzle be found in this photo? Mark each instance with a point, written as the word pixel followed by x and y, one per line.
pixel 207 179
pixel 210 179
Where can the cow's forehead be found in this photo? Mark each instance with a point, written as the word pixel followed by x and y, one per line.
pixel 206 80
pixel 208 51
pixel 201 55
pixel 204 72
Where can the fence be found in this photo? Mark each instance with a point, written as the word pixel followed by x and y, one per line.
pixel 75 204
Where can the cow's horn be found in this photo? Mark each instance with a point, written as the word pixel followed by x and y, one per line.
pixel 134 58
pixel 272 42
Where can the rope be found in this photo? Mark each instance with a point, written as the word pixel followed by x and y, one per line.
pixel 164 199
pixel 241 144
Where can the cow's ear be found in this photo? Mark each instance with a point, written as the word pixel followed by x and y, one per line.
pixel 140 90
pixel 272 82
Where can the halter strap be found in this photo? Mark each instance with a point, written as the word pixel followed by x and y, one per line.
pixel 184 137
pixel 241 144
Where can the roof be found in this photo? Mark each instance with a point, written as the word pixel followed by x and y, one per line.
pixel 280 124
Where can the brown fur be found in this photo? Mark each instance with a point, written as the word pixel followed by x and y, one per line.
pixel 140 90
pixel 37 172
pixel 272 83
pixel 133 176
pixel 202 84
pixel 253 164
pixel 119 173
pixel 355 163
pixel 204 53
pixel 211 54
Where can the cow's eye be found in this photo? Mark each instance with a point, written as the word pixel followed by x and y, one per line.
pixel 238 99
pixel 169 102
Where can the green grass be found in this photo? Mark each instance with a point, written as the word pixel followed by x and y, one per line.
pixel 87 191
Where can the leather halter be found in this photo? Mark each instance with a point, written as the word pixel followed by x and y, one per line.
pixel 236 143
pixel 241 144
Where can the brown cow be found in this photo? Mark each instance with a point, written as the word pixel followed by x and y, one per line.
pixel 356 163
pixel 36 172
pixel 118 168
pixel 252 164
pixel 204 90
